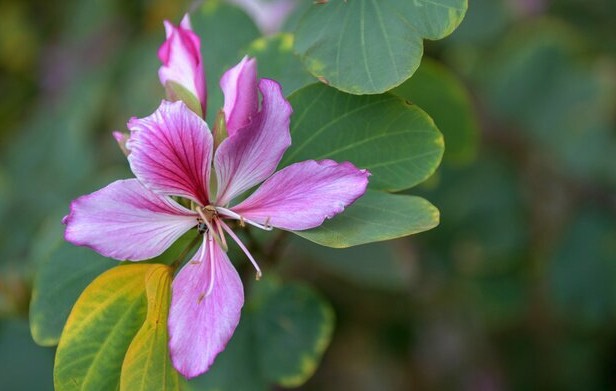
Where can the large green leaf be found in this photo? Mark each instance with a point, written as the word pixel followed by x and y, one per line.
pixel 147 365
pixel 437 90
pixel 395 140
pixel 284 331
pixel 100 329
pixel 374 217
pixel 60 280
pixel 277 61
pixel 370 46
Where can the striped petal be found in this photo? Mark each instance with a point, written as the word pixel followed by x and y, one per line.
pixel 170 152
pixel 252 153
pixel 302 195
pixel 127 221
pixel 206 302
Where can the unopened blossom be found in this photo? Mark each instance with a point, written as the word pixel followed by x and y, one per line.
pixel 182 182
pixel 182 65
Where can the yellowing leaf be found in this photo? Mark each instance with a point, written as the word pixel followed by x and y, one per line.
pixel 147 365
pixel 100 328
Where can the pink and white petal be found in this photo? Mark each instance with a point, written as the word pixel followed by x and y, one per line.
pixel 206 302
pixel 252 153
pixel 124 220
pixel 302 195
pixel 180 55
pixel 171 152
pixel 239 86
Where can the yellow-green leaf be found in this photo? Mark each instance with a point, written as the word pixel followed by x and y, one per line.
pixel 147 365
pixel 100 328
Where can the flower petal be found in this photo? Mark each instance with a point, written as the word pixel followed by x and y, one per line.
pixel 126 221
pixel 303 195
pixel 171 152
pixel 206 302
pixel 181 58
pixel 239 85
pixel 252 153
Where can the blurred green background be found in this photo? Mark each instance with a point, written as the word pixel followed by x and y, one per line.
pixel 515 290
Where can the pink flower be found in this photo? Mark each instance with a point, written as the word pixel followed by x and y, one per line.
pixel 172 156
pixel 182 64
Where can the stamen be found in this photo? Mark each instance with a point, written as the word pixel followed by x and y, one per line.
pixel 221 234
pixel 208 214
pixel 233 215
pixel 239 243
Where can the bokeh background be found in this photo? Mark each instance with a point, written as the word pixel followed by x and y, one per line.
pixel 515 290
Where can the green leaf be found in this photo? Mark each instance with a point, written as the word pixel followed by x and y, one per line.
pixel 223 30
pixel 147 364
pixel 374 217
pixel 437 90
pixel 100 328
pixel 370 46
pixel 284 331
pixel 396 141
pixel 293 328
pixel 60 280
pixel 277 61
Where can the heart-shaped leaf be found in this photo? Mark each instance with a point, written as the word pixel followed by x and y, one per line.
pixel 370 46
pixel 395 140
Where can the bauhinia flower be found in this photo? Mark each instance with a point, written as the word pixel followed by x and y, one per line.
pixel 184 181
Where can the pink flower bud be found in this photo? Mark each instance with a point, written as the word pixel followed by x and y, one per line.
pixel 182 69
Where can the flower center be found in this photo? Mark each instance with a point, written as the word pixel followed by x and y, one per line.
pixel 210 223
